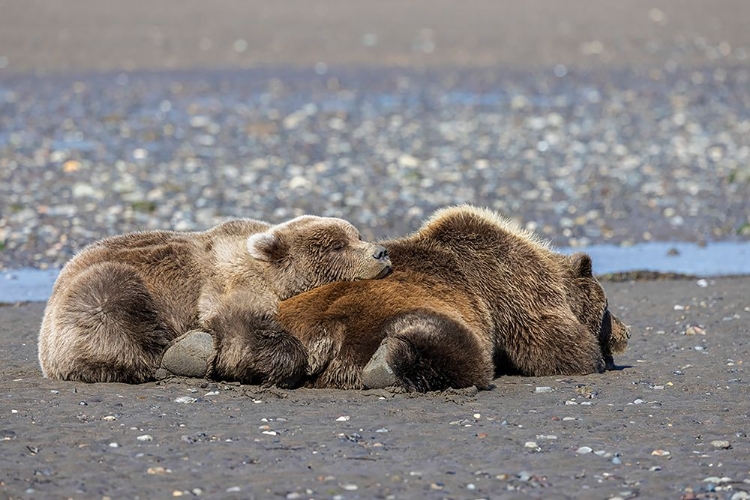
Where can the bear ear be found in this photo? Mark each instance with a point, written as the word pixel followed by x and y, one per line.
pixel 582 265
pixel 267 247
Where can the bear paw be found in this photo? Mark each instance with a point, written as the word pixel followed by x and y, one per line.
pixel 377 373
pixel 187 356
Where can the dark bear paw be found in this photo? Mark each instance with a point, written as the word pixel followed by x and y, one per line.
pixel 187 356
pixel 254 349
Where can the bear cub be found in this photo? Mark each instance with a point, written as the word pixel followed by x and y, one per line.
pixel 122 301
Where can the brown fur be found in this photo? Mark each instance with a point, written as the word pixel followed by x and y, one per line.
pixel 119 302
pixel 472 295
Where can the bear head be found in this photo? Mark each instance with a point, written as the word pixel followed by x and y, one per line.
pixel 309 251
pixel 588 302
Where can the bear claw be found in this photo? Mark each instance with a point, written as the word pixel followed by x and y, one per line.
pixel 187 356
pixel 377 374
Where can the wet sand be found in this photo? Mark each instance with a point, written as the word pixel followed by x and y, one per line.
pixel 670 423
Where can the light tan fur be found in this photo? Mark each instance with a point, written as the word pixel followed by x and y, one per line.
pixel 119 302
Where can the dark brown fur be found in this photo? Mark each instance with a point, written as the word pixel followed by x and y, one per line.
pixel 471 296
pixel 118 304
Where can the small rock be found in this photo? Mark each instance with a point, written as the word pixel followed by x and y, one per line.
pixel 343 418
pixel 145 437
pixel 695 330
pixel 531 444
pixel 540 390
pixel 584 450
pixel 720 443
pixel 185 399
pixel 660 453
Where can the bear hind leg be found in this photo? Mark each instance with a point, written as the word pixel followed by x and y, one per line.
pixel 427 352
pixel 107 328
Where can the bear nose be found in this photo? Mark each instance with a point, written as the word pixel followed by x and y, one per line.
pixel 380 253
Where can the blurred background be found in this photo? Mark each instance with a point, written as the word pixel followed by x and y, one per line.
pixel 591 121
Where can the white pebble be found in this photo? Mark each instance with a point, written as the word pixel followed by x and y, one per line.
pixel 185 399
pixel 343 418
pixel 720 443
pixel 546 436
pixel 350 487
pixel 114 445
pixel 531 444
pixel 540 390
pixel 660 453
pixel 145 437
pixel 233 489
pixel 583 450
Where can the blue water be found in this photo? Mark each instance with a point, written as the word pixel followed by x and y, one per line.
pixel 715 259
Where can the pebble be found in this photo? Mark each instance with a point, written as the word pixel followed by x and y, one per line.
pixel 185 399
pixel 343 418
pixel 145 437
pixel 158 471
pixel 720 443
pixel 717 479
pixel 540 390
pixel 695 330
pixel 583 450
pixel 660 453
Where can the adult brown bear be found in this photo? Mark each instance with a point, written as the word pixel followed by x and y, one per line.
pixel 120 302
pixel 472 295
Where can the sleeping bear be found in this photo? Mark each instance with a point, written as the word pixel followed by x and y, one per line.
pixel 472 295
pixel 119 303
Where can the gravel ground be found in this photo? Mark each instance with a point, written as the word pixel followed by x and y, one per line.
pixel 583 157
pixel 672 423
pixel 591 122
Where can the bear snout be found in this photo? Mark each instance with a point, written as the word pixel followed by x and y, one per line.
pixel 380 253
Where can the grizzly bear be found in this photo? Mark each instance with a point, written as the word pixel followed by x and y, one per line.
pixel 118 304
pixel 471 296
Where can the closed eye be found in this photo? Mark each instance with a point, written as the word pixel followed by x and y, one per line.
pixel 338 246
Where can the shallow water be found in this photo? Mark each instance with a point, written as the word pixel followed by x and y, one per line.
pixel 715 259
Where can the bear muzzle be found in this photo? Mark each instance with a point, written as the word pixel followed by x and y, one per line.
pixel 380 254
